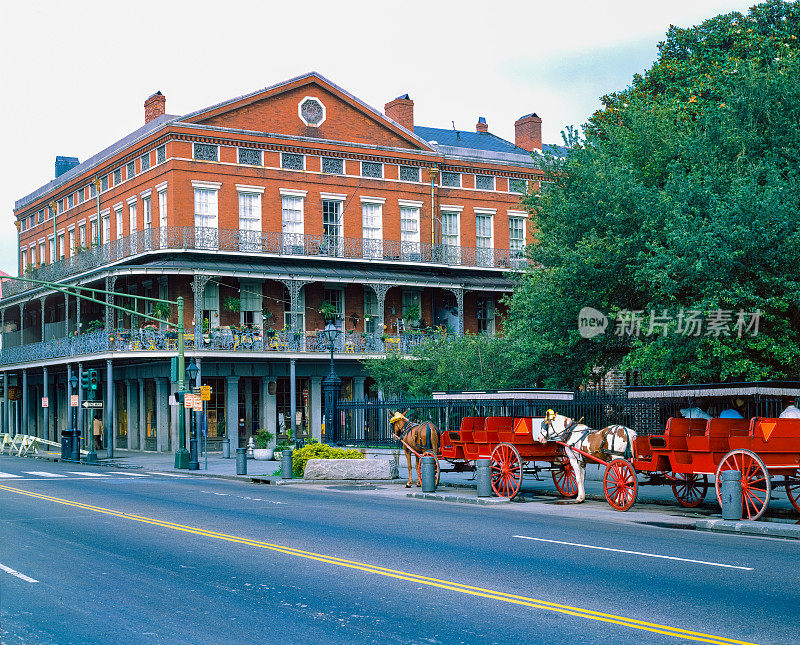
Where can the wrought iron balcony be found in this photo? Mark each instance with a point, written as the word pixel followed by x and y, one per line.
pixel 269 244
pixel 222 340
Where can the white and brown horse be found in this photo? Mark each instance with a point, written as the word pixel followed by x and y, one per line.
pixel 614 441
pixel 422 437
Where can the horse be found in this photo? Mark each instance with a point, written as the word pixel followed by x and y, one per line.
pixel 611 442
pixel 419 436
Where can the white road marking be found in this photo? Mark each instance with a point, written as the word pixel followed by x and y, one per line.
pixel 85 474
pixel 42 473
pixel 130 474
pixel 170 475
pixel 8 476
pixel 22 576
pixel 649 555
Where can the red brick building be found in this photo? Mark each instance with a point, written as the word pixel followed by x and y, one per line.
pixel 256 211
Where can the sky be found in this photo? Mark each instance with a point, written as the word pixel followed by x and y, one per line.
pixel 75 74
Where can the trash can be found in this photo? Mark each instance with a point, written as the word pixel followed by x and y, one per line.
pixel 428 474
pixel 66 445
pixel 286 464
pixel 484 477
pixel 241 461
pixel 730 494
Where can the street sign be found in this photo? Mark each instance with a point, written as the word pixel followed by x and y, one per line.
pixel 45 402
pixel 92 404
pixel 73 401
pixel 196 391
pixel 205 392
pixel 188 400
pixel 197 404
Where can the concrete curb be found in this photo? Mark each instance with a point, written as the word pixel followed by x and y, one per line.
pixel 745 527
pixel 462 499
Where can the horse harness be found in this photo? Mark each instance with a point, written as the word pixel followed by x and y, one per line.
pixel 409 427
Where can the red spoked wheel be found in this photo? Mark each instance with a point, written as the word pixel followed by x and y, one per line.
pixel 793 490
pixel 755 481
pixel 506 469
pixel 689 488
pixel 564 477
pixel 620 485
pixel 436 462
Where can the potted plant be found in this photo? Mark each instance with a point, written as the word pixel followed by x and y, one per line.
pixel 232 304
pixel 94 325
pixel 412 316
pixel 262 451
pixel 171 332
pixel 161 310
pixel 328 311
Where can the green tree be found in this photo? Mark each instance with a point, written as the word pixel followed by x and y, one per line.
pixel 676 199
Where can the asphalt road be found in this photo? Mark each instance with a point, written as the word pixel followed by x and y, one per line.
pixel 133 557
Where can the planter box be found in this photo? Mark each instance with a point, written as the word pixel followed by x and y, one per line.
pixel 263 454
pixel 368 469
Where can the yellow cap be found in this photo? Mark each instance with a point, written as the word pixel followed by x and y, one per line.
pixel 397 417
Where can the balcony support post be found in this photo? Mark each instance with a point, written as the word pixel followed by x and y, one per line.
pixel 110 284
pixel 66 315
pixel 199 282
pixel 380 290
pixel 458 292
pixel 41 300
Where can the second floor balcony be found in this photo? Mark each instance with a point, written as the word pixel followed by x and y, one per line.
pixel 242 341
pixel 237 241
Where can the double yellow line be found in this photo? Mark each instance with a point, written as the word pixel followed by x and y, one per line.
pixel 402 575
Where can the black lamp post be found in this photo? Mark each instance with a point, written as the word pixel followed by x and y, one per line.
pixel 331 385
pixel 75 433
pixel 191 374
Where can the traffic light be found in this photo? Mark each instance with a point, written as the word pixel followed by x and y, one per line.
pixel 92 384
pixel 85 379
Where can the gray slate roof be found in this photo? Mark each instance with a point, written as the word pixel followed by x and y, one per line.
pixel 485 141
pixel 113 149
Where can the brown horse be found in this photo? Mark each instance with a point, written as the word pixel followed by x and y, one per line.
pixel 419 436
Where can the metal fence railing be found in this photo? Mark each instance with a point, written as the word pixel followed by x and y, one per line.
pixel 366 423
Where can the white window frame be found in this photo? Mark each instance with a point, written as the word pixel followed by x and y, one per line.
pixel 491 313
pixel 451 253
pixel 516 255
pixel 51 246
pixel 161 192
pixel 41 250
pixel 207 226
pixel 410 245
pixel 372 236
pixel 334 244
pixel 132 215
pixel 250 226
pixel 105 229
pixel 484 255
pixel 292 230
pixel 118 217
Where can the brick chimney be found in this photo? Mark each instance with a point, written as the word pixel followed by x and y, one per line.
pixel 528 132
pixel 401 110
pixel 154 107
pixel 481 125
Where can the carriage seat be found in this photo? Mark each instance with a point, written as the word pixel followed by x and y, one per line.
pixel 770 436
pixel 717 435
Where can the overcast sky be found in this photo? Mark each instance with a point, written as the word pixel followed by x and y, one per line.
pixel 75 74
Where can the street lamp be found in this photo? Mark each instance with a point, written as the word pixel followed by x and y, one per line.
pixel 331 385
pixel 191 373
pixel 75 433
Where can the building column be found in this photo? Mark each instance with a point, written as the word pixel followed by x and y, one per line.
pixel 6 415
pixel 142 415
pixel 111 282
pixel 315 407
pixel 69 391
pixel 46 411
pixel 174 416
pixel 248 409
pixel 41 300
pixel 293 397
pixel 294 287
pixel 108 424
pixel 66 315
pixel 380 296
pixel 132 407
pixel 459 294
pixel 232 411
pixel 162 414
pixel 198 290
pixel 25 402
pixel 21 324
pixel 269 405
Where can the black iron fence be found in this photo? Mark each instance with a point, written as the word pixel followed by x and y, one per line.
pixel 366 423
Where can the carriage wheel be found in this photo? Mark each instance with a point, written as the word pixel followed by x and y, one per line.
pixel 564 477
pixel 793 490
pixel 435 461
pixel 755 481
pixel 620 485
pixel 689 488
pixel 506 470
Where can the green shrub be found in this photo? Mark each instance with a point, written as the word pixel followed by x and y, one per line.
pixel 317 450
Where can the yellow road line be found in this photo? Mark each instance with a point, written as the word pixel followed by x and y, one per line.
pixel 403 575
